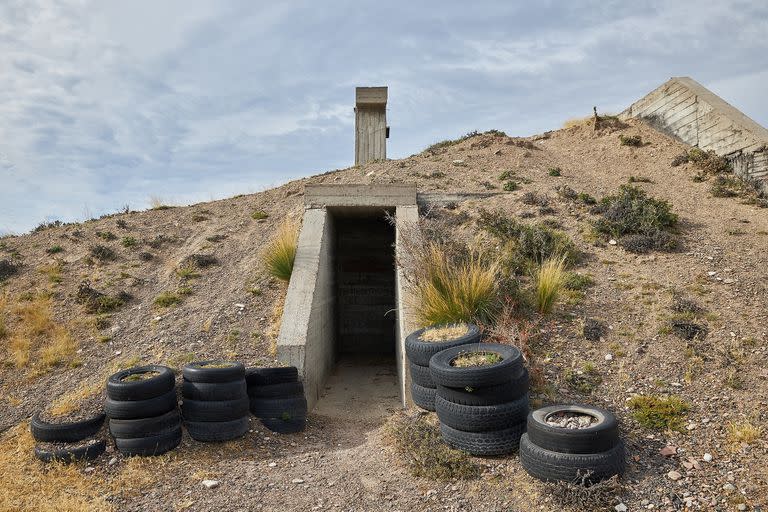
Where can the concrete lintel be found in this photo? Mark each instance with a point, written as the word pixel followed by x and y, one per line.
pixel 394 194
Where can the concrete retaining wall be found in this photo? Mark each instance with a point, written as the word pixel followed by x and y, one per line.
pixel 686 110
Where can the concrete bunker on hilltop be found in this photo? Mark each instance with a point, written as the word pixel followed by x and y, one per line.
pixel 345 307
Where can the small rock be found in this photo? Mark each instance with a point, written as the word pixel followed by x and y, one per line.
pixel 89 469
pixel 210 484
pixel 609 357
pixel 620 507
pixel 741 506
pixel 674 475
pixel 711 273
pixel 729 487
pixel 297 481
pixel 272 464
pixel 707 457
pixel 612 241
pixel 112 461
pixel 430 492
pixel 118 352
pixel 668 451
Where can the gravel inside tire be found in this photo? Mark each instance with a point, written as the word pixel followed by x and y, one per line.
pixel 291 426
pixel 267 376
pixel 214 410
pixel 279 408
pixel 122 390
pixel 214 390
pixel 282 390
pixel 599 437
pixel 488 395
pixel 497 442
pixel 143 427
pixel 151 445
pixel 578 468
pixel 71 454
pixel 444 374
pixel 214 371
pixel 217 431
pixel 70 432
pixel 423 397
pixel 421 376
pixel 481 418
pixel 420 352
pixel 135 409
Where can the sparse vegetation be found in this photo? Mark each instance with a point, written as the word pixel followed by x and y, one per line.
pixel 168 299
pixel 129 241
pixel 743 433
pixel 549 281
pixel 96 302
pixel 7 269
pixel 279 254
pixel 639 179
pixel 444 332
pixel 510 186
pixel 103 253
pixel 659 412
pixel 584 380
pixel 473 359
pixel 577 281
pixel 259 215
pixel 631 140
pixel 106 235
pixel 555 171
pixel 593 329
pixel 55 249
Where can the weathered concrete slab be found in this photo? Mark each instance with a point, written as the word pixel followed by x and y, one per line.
pixel 389 195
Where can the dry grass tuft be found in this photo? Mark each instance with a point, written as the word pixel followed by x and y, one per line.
pixel 279 254
pixel 444 332
pixel 743 433
pixel 473 359
pixel 549 281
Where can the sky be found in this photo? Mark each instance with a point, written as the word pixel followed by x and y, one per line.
pixel 107 104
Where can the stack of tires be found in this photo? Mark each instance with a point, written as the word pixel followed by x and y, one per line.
pixel 482 409
pixel 67 442
pixel 215 400
pixel 143 410
pixel 277 398
pixel 419 352
pixel 583 454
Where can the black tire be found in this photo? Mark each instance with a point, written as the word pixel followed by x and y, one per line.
pixel 420 352
pixel 581 468
pixel 497 442
pixel 73 454
pixel 214 390
pixel 476 376
pixel 489 395
pixel 279 408
pixel 197 371
pixel 481 418
pixel 145 427
pixel 217 431
pixel 290 426
pixel 267 376
pixel 124 390
pixel 218 410
pixel 283 390
pixel 149 446
pixel 599 437
pixel 135 409
pixel 65 432
pixel 423 397
pixel 421 376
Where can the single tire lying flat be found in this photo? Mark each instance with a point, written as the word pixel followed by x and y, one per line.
pixel 421 376
pixel 118 388
pixel 444 374
pixel 282 390
pixel 488 395
pixel 497 442
pixel 290 426
pixel 217 431
pixel 214 390
pixel 423 397
pixel 65 432
pixel 599 437
pixel 134 409
pixel 145 427
pixel 214 371
pixel 420 352
pixel 88 451
pixel 481 418
pixel 149 446
pixel 267 376
pixel 217 410
pixel 279 408
pixel 578 468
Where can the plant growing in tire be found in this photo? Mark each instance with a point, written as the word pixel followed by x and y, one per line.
pixel 421 345
pixel 572 443
pixel 482 397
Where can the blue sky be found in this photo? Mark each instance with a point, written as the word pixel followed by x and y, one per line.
pixel 106 103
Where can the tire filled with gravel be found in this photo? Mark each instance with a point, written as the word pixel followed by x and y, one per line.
pixel 481 397
pixel 214 400
pixel 143 410
pixel 424 343
pixel 276 397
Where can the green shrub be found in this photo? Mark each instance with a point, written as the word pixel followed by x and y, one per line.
pixel 511 186
pixel 631 140
pixel 167 299
pixel 444 144
pixel 506 175
pixel 659 412
pixel 585 198
pixel 279 254
pixel 103 253
pixel 576 281
pixel 555 171
pixel 726 186
pixel 56 249
pixel 640 179
pixel 106 235
pixel 129 241
pixel 259 215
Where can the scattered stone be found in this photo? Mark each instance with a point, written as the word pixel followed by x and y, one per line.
pixel 612 241
pixel 609 357
pixel 668 451
pixel 272 464
pixel 729 487
pixel 620 507
pixel 210 484
pixel 297 481
pixel 741 506
pixel 112 461
pixel 707 457
pixel 674 475
pixel 570 420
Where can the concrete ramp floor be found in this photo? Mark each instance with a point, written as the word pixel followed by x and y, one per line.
pixel 361 388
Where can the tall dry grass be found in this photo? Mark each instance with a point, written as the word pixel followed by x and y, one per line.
pixel 280 253
pixel 550 279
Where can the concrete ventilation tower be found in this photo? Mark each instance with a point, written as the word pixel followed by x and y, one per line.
pixel 371 130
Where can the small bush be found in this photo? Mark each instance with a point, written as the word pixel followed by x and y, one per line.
pixel 532 198
pixel 555 171
pixel 593 329
pixel 709 162
pixel 506 175
pixel 279 254
pixel 566 192
pixel 56 249
pixel 7 269
pixel 659 412
pixel 583 381
pixel 129 241
pixel 585 198
pixel 96 302
pixel 106 235
pixel 199 261
pixel 640 179
pixel 511 186
pixel 167 299
pixel 631 140
pixel 549 281
pixel 688 330
pixel 419 443
pixel 441 146
pixel 726 186
pixel 259 215
pixel 576 281
pixel 103 253
pixel 680 160
pixel 145 256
